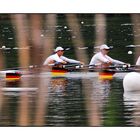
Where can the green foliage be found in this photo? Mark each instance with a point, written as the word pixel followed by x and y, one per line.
pixel 7 39
pixel 119 35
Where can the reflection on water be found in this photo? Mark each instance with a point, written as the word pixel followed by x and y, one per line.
pixel 114 109
pixel 66 105
pixel 76 102
pixel 132 102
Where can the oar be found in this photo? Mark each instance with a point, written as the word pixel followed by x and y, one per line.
pixel 136 66
pixel 117 68
pixel 29 67
pixel 18 68
pixel 113 68
pixel 75 66
pixel 72 67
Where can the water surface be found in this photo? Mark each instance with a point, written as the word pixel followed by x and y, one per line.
pixel 75 101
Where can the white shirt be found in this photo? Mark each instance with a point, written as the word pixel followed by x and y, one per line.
pixel 99 59
pixel 60 59
pixel 138 61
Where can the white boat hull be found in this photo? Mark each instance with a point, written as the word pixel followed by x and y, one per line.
pixel 68 74
pixel 131 82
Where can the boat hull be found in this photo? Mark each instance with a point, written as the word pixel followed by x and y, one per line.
pixel 106 75
pixel 16 75
pixel 11 75
pixel 58 72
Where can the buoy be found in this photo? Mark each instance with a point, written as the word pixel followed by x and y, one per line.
pixel 130 52
pixel 131 81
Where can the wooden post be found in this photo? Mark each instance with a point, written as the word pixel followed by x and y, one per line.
pixel 93 109
pixel 93 119
pixel 50 35
pixel 100 30
pixel 1 68
pixel 20 22
pixel 42 98
pixel 78 40
pixel 36 39
pixel 136 32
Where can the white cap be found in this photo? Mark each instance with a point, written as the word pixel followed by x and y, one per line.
pixel 104 47
pixel 59 49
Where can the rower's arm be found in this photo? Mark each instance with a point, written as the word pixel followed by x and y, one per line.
pixel 114 61
pixel 70 60
pixel 54 59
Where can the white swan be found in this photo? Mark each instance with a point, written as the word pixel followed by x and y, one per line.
pixel 131 81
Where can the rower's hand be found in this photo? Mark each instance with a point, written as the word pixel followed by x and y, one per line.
pixel 60 63
pixel 126 65
pixel 109 63
pixel 82 63
pixel 63 62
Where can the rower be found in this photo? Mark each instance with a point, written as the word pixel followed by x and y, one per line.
pixel 102 60
pixel 57 59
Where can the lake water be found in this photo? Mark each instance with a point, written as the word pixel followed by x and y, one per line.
pixel 74 100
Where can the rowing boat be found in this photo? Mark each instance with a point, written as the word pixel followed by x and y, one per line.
pixel 10 75
pixel 108 73
pixel 102 73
